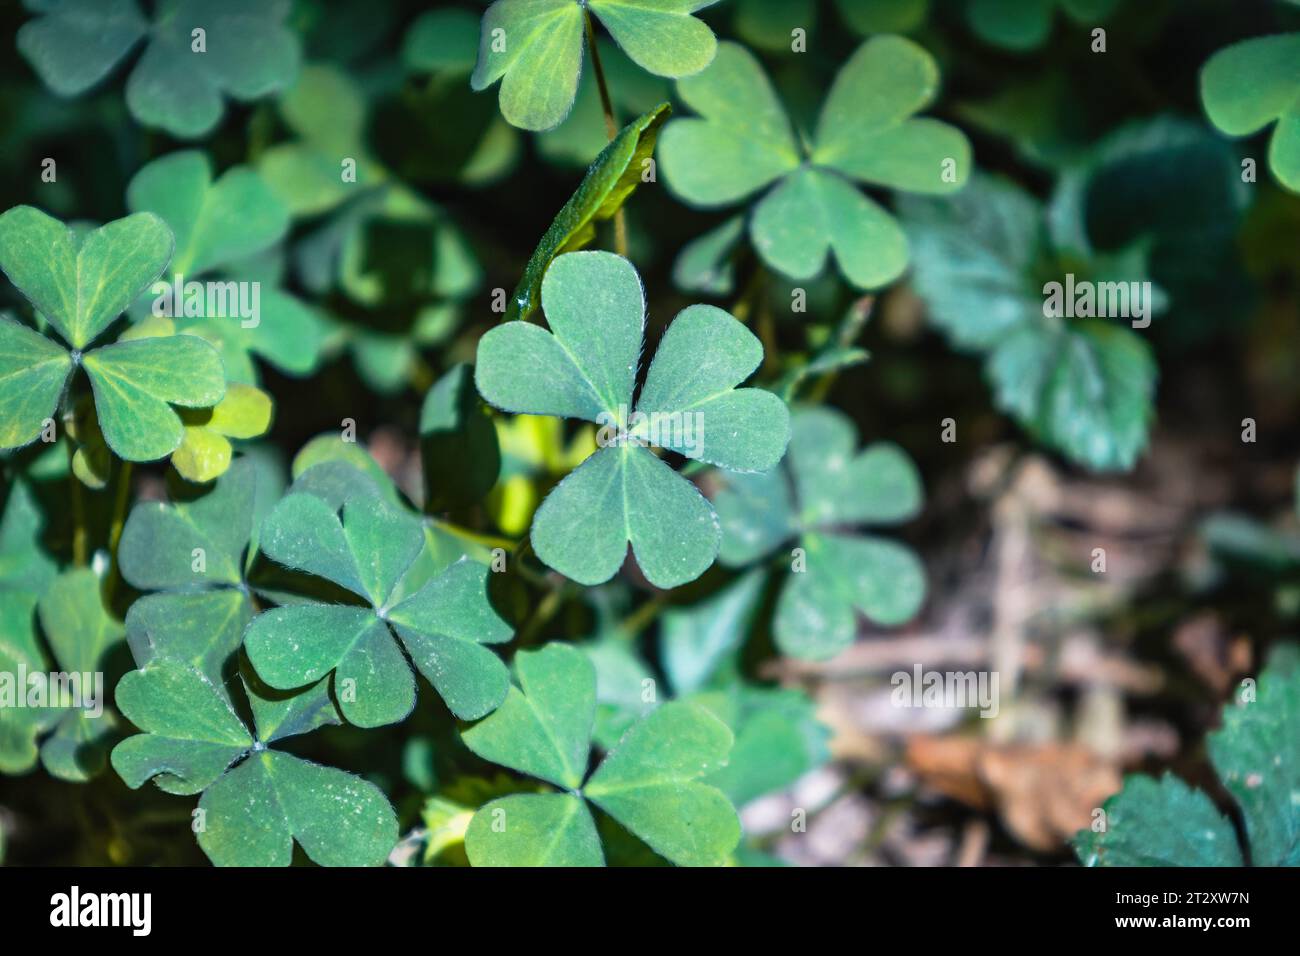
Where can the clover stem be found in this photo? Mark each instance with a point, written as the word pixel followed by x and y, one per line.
pixel 611 125
pixel 488 540
pixel 119 515
pixel 78 510
pixel 545 611
pixel 847 334
pixel 641 618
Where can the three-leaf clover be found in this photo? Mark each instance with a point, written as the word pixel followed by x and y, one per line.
pixel 1026 24
pixel 1251 84
pixel 535 47
pixel 218 224
pixel 1084 385
pixel 650 782
pixel 366 546
pixel 586 367
pixel 79 283
pixel 256 801
pixel 81 636
pixel 835 571
pixel 198 52
pixel 742 142
pixel 778 737
pixel 1257 756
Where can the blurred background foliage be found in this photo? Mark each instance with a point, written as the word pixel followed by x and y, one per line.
pixel 1104 673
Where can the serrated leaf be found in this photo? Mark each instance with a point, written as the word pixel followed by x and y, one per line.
pixel 1166 823
pixel 610 180
pixel 1086 390
pixel 1081 386
pixel 1138 830
pixel 1257 756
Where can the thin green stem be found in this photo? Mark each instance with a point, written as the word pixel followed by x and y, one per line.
pixel 611 124
pixel 78 503
pixel 546 609
pixel 121 497
pixel 642 617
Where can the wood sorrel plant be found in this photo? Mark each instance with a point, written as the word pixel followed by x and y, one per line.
pixel 375 480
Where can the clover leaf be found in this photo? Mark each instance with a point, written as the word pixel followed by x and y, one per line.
pixel 256 800
pixel 1257 757
pixel 326 110
pixel 1026 24
pixel 835 571
pixel 586 367
pixel 535 47
pixel 81 635
pixel 650 782
pixel 367 546
pixel 1251 84
pixel 611 179
pixel 778 738
pixel 218 225
pixel 742 143
pixel 198 52
pixel 1082 386
pixel 583 134
pixel 80 284
pixel 195 553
